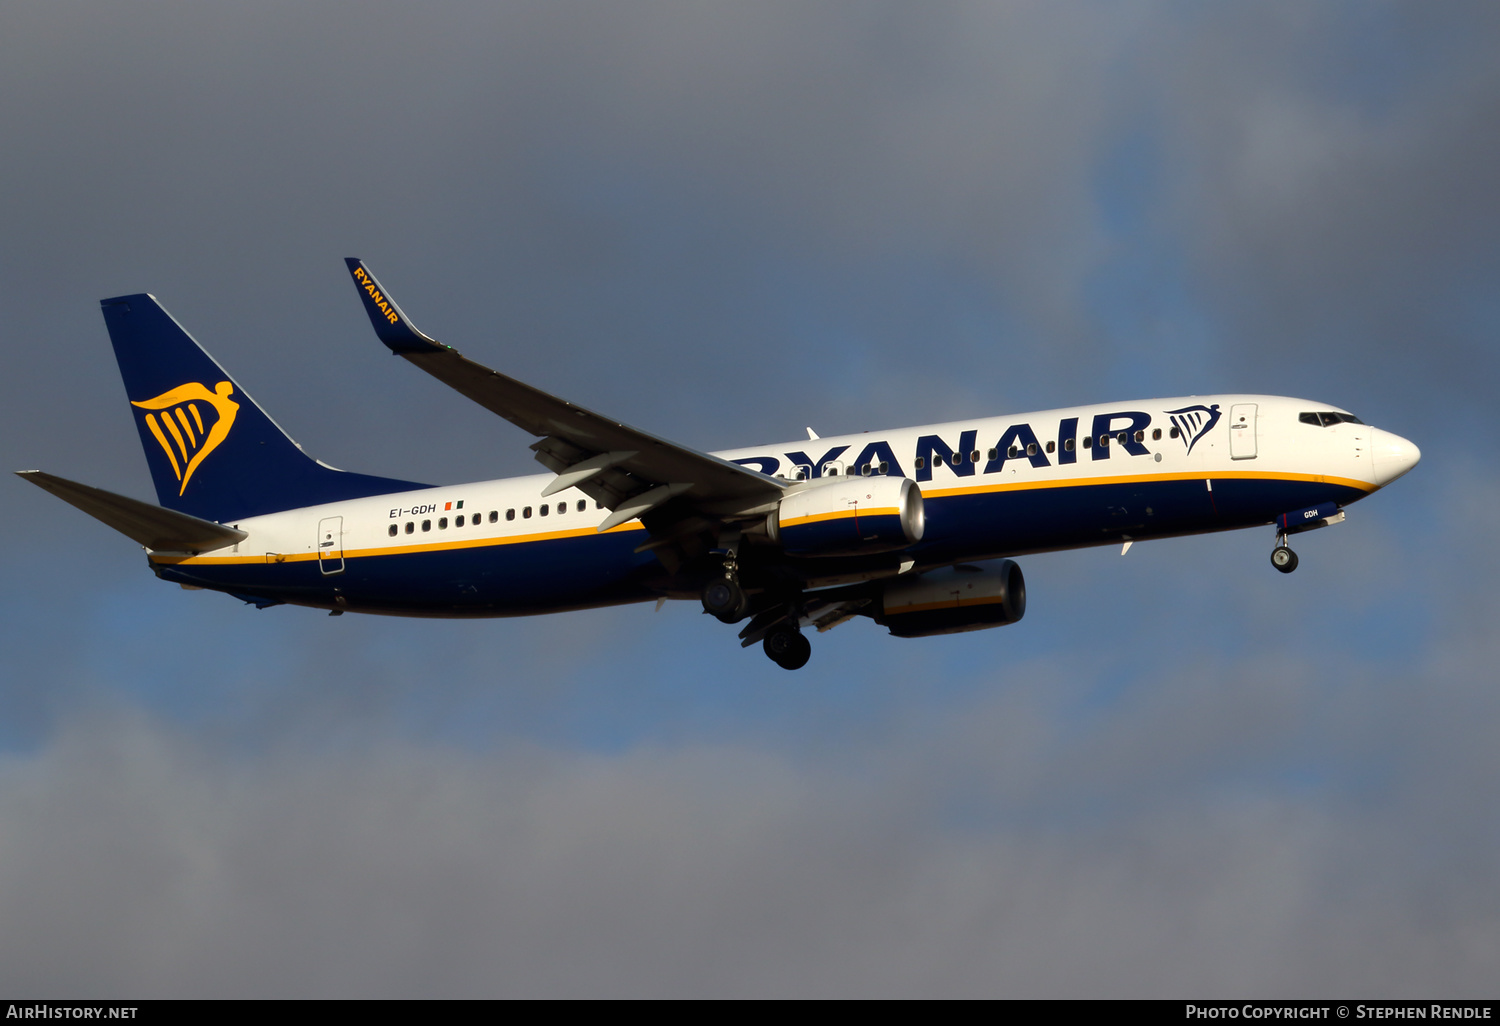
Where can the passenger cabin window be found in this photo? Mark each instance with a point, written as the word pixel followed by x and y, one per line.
pixel 410 526
pixel 1052 447
pixel 392 531
pixel 526 513
pixel 1156 434
pixel 510 514
pixel 562 507
pixel 919 462
pixel 544 509
pixel 458 521
pixel 1140 436
pixel 582 505
pixel 1175 432
pixel 885 467
pixel 494 516
pixel 1104 441
pixel 974 456
pixel 1067 445
pixel 1088 440
pixel 1013 452
pixel 427 525
pixel 1031 448
pixel 442 523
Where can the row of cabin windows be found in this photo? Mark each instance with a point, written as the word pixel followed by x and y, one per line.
pixel 478 518
pixel 866 469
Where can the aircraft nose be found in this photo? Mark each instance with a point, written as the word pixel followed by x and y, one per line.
pixel 1391 456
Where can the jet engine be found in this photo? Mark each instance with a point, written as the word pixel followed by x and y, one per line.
pixel 846 516
pixel 954 599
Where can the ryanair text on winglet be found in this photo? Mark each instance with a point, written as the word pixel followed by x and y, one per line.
pixel 374 293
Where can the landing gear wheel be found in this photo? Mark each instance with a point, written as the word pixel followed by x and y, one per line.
pixel 787 648
pixel 1283 559
pixel 725 599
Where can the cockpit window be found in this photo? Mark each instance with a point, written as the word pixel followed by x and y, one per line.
pixel 1328 418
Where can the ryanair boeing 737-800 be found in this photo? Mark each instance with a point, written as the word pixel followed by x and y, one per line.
pixel 915 528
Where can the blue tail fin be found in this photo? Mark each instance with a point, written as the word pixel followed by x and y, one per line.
pixel 213 453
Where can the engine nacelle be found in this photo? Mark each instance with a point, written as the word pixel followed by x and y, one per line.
pixel 847 516
pixel 954 599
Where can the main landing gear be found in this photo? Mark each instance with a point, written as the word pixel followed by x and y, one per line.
pixel 1283 558
pixel 787 647
pixel 775 626
pixel 723 597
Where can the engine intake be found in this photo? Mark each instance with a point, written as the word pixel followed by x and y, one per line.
pixel 849 516
pixel 954 599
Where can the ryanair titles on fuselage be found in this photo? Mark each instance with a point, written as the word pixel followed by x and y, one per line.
pixel 1128 430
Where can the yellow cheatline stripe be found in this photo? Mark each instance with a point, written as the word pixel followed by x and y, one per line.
pixel 196 418
pixel 843 514
pixel 922 607
pixel 187 428
pixel 161 439
pixel 397 550
pixel 1079 482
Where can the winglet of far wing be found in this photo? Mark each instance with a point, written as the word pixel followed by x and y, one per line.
pixel 620 467
pixel 392 326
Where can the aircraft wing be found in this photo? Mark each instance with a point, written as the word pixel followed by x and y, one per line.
pixel 629 471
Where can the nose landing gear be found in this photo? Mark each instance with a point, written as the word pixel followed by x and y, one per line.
pixel 1283 558
pixel 1311 518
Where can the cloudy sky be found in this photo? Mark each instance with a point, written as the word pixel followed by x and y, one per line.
pixel 1182 775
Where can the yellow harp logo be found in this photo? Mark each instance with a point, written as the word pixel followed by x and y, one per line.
pixel 181 431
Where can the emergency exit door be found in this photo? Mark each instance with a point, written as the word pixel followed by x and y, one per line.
pixel 331 545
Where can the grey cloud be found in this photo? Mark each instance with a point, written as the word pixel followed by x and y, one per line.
pixel 999 848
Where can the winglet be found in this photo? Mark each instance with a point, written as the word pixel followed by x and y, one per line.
pixel 392 325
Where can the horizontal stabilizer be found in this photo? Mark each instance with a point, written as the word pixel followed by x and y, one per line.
pixel 161 530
